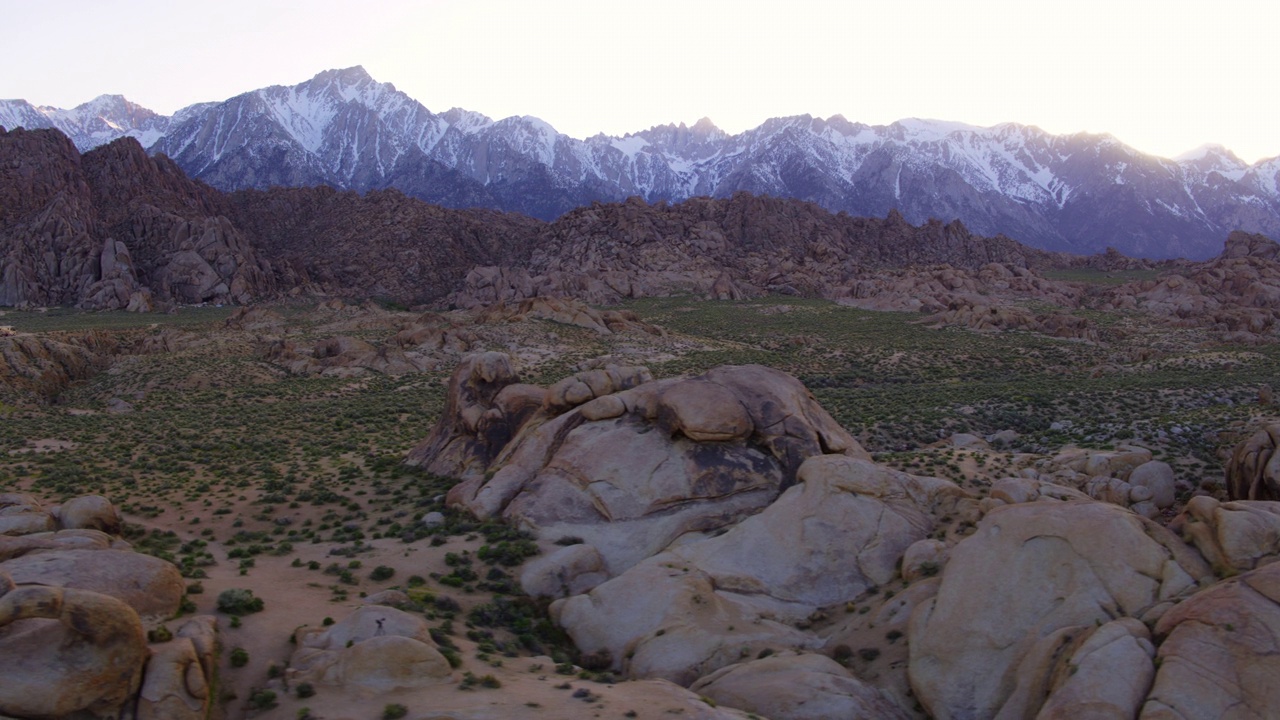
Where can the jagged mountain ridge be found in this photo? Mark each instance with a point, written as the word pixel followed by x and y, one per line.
pixel 116 228
pixel 1079 193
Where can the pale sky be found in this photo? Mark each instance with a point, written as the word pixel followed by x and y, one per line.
pixel 1162 76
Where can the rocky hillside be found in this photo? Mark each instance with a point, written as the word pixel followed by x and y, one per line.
pixel 1079 193
pixel 115 228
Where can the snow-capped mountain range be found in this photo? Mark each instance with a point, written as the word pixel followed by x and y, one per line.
pixel 1080 193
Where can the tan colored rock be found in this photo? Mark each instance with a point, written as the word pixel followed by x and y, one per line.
pixel 627 475
pixel 26 523
pixel 924 558
pixel 1084 671
pixel 664 619
pixel 17 546
pixel 1157 477
pixel 1031 570
pixel 202 631
pixel 151 586
pixel 1020 490
pixel 376 648
pixel 90 512
pixel 843 529
pixel 704 412
pixel 1219 653
pixel 840 531
pixel 389 598
pixel 571 570
pixel 22 514
pixel 64 651
pixel 175 686
pixel 786 686
pixel 1233 536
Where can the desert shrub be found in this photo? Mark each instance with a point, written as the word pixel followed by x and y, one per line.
pixel 238 601
pixel 262 700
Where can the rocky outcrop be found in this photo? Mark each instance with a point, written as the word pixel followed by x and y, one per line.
pixel 382 244
pixel 698 606
pixel 985 317
pixel 628 463
pixel 739 246
pixel 66 651
pixel 1026 588
pixel 1253 471
pixel 115 229
pixel 72 634
pixel 38 367
pixel 376 648
pixel 1218 652
pixel 1233 536
pixel 485 407
pixel 797 687
pixel 152 587
pixel 1236 294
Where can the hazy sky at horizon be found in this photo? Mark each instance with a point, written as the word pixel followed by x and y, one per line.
pixel 1163 77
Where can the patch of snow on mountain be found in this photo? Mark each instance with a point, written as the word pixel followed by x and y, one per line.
pixel 630 145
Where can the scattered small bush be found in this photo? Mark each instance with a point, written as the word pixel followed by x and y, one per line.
pixel 239 601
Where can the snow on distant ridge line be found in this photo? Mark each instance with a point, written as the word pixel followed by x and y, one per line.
pixel 344 128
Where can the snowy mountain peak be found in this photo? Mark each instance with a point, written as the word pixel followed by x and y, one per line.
pixel 355 75
pixel 924 130
pixel 466 121
pixel 1213 158
pixel 1079 192
pixel 706 128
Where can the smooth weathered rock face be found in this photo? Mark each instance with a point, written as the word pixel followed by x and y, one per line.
pixel 1031 570
pixel 1219 654
pixel 149 585
pixel 376 648
pixel 23 516
pixel 665 618
pixel 1233 536
pixel 1085 671
pixel 1253 472
pixel 568 571
pixel 697 606
pixel 797 687
pixel 90 512
pixel 64 651
pixel 175 686
pixel 1158 477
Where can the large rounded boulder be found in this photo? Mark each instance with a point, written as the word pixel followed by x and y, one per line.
pixel 1033 579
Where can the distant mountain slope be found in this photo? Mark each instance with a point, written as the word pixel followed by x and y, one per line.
pixel 1079 193
pixel 116 228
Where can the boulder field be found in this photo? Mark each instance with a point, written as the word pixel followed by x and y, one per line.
pixel 722 532
pixel 75 605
